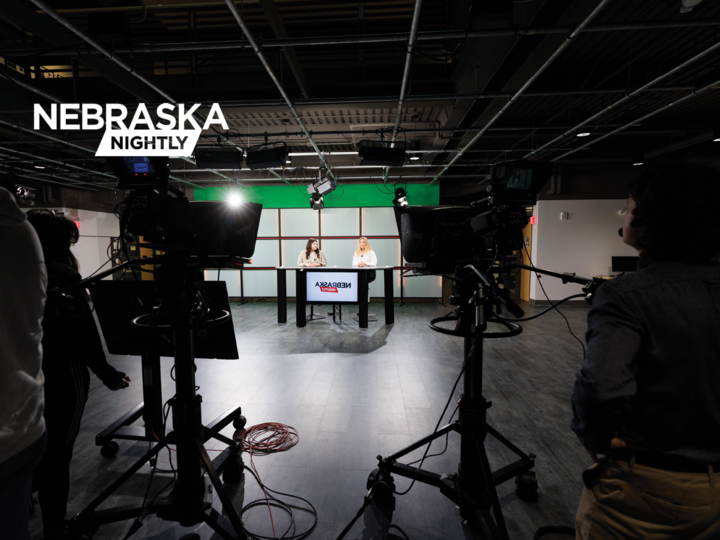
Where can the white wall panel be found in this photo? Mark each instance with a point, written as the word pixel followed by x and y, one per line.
pixel 299 222
pixel 583 244
pixel 379 222
pixel 339 252
pixel 423 287
pixel 260 282
pixel 290 251
pixel 387 251
pixel 340 221
pixel 230 277
pixel 269 222
pixel 266 253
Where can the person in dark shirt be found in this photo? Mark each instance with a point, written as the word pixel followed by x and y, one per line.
pixel 71 343
pixel 647 398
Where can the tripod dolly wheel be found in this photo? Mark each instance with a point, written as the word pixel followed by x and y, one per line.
pixel 239 423
pixel 527 486
pixel 109 450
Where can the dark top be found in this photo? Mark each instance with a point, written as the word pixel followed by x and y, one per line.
pixel 69 331
pixel 651 375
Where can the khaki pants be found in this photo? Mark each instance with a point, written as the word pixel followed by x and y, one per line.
pixel 624 500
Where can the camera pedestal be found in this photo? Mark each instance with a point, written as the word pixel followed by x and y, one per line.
pixel 187 503
pixel 197 476
pixel 473 486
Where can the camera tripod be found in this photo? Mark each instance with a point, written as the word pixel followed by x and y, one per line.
pixel 190 501
pixel 473 487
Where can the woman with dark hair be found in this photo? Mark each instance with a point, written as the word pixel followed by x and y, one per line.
pixel 71 343
pixel 311 255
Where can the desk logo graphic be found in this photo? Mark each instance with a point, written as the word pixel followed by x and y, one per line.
pixel 166 137
pixel 332 287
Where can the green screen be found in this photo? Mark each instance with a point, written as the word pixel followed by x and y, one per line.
pixel 346 195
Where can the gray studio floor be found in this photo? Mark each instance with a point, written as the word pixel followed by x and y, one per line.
pixel 352 395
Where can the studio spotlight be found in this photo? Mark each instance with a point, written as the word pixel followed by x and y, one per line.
pixel 400 197
pixel 266 155
pixel 638 157
pixel 24 194
pixel 583 134
pixel 323 185
pixel 716 133
pixel 316 201
pixel 234 199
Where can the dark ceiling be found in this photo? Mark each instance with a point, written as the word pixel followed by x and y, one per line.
pixel 341 64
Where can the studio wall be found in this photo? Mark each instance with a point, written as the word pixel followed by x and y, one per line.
pixel 584 244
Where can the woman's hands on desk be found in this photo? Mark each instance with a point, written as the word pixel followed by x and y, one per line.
pixel 312 264
pixel 361 264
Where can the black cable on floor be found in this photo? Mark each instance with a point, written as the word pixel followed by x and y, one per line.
pixel 274 501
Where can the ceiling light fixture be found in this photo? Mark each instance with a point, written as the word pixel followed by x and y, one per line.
pixel 265 156
pixel 322 186
pixel 316 201
pixel 638 158
pixel 716 133
pixel 234 199
pixel 583 134
pixel 400 197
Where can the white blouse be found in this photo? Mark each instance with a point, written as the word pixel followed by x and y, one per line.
pixel 368 258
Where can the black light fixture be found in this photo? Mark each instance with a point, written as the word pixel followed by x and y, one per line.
pixel 414 147
pixel 24 194
pixel 218 159
pixel 264 156
pixel 400 197
pixel 316 201
pixel 638 157
pixel 716 133
pixel 323 184
pixel 381 153
pixel 583 134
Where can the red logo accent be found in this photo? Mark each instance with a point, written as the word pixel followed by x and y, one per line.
pixel 328 289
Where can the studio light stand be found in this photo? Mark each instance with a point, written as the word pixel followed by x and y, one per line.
pixel 473 486
pixel 190 501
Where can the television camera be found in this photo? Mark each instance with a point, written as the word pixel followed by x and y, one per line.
pixel 191 236
pixel 463 243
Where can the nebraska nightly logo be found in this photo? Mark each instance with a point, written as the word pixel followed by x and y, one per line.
pixel 332 286
pixel 168 137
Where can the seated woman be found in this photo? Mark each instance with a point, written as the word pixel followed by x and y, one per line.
pixel 364 256
pixel 311 255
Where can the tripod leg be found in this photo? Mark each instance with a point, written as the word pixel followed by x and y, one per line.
pixel 120 481
pixel 220 490
pixel 499 522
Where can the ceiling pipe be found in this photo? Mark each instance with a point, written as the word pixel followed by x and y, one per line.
pixel 389 99
pixel 288 101
pixel 72 145
pixel 558 51
pixel 73 183
pixel 412 39
pixel 116 60
pixel 48 160
pixel 364 38
pixel 613 106
pixel 649 115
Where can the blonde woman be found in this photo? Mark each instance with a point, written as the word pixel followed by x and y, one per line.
pixel 364 256
pixel 311 255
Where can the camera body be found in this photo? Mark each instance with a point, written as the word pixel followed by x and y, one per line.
pixel 439 238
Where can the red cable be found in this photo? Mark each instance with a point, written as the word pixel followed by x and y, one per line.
pixel 264 439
